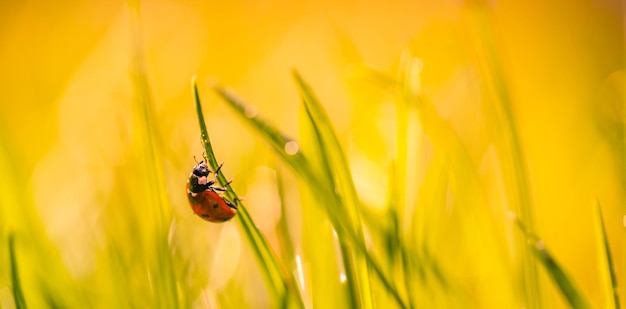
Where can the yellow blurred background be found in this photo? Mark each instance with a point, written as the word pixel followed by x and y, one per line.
pixel 66 114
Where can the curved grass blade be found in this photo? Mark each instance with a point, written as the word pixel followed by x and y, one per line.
pixel 281 287
pixel 297 161
pixel 340 253
pixel 337 170
pixel 571 293
pixel 18 295
pixel 606 269
pixel 335 161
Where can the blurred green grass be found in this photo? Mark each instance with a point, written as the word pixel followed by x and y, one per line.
pixel 436 240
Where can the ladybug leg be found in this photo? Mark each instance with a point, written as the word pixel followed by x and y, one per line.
pixel 211 182
pixel 215 174
pixel 230 204
pixel 221 188
pixel 218 188
pixel 218 169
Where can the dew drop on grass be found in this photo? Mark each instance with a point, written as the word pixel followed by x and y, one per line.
pixel 539 244
pixel 291 148
pixel 250 112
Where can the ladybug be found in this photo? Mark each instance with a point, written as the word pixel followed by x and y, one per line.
pixel 204 198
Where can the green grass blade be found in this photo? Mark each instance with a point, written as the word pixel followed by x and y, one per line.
pixel 286 244
pixel 18 294
pixel 158 257
pixel 337 171
pixel 605 265
pixel 283 224
pixel 18 216
pixel 507 142
pixel 281 287
pixel 325 285
pixel 297 161
pixel 571 293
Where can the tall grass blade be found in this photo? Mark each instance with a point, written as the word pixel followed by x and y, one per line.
pixel 284 238
pixel 605 265
pixel 298 162
pixel 159 259
pixel 462 181
pixel 337 171
pixel 507 142
pixel 281 287
pixel 571 293
pixel 18 294
pixel 18 216
pixel 335 251
pixel 336 165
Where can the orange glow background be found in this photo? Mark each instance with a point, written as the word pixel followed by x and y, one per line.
pixel 65 88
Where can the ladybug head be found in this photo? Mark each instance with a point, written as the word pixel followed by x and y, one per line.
pixel 201 170
pixel 199 180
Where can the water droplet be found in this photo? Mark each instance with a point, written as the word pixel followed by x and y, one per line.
pixel 250 112
pixel 539 244
pixel 291 148
pixel 342 278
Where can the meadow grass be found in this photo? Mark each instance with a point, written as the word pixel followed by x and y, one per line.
pixel 328 149
pixel 434 244
pixel 390 267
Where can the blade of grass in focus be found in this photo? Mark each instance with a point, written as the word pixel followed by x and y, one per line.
pixel 281 287
pixel 326 253
pixel 605 262
pixel 571 293
pixel 18 295
pixel 285 147
pixel 337 172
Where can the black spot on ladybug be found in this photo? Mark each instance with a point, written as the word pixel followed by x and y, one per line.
pixel 204 216
pixel 215 205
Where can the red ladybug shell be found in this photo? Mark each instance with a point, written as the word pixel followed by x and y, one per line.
pixel 210 206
